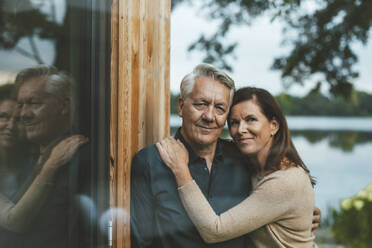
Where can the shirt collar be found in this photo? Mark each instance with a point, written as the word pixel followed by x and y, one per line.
pixel 192 155
pixel 218 154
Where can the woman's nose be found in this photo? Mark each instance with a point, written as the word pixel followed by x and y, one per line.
pixel 11 123
pixel 242 127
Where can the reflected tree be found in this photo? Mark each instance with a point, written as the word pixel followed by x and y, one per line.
pixel 36 20
pixel 344 140
pixel 312 136
pixel 23 19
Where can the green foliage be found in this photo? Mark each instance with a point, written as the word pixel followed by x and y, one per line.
pixel 321 38
pixel 316 104
pixel 352 224
pixel 323 44
pixel 217 49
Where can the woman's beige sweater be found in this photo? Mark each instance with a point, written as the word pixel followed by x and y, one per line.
pixel 278 213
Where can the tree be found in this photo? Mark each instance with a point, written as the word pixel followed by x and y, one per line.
pixel 31 20
pixel 321 44
pixel 23 20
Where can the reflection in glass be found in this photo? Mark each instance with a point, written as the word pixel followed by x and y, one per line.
pixel 42 206
pixel 49 124
pixel 15 166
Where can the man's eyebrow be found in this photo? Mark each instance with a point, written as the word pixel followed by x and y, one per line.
pixel 202 99
pixel 221 103
pixel 24 99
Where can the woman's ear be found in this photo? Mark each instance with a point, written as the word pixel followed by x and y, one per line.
pixel 274 124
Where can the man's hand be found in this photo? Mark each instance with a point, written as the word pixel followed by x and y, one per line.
pixel 63 152
pixel 317 215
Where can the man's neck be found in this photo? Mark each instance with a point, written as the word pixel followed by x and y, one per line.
pixel 204 151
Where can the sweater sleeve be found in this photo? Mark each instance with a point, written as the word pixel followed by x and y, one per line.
pixel 274 196
pixel 16 217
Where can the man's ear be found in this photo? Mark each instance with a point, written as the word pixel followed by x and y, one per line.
pixel 274 124
pixel 180 106
pixel 66 105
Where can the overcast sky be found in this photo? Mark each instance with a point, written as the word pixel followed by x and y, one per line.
pixel 258 45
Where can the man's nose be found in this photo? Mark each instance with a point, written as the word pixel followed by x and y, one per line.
pixel 25 112
pixel 209 113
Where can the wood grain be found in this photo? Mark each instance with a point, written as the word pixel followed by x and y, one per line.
pixel 140 37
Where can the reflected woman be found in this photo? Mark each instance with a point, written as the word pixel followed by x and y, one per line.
pixel 13 163
pixel 279 211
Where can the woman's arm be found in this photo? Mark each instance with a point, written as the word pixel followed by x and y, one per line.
pixel 274 197
pixel 17 217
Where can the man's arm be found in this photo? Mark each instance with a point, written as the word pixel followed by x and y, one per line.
pixel 141 204
pixel 317 215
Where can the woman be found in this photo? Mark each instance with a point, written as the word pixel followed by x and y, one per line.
pixel 16 214
pixel 279 211
pixel 13 164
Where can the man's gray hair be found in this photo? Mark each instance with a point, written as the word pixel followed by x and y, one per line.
pixel 205 70
pixel 57 83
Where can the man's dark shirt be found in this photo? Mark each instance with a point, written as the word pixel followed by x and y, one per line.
pixel 60 222
pixel 158 218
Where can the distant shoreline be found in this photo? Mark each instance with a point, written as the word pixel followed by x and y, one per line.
pixel 341 123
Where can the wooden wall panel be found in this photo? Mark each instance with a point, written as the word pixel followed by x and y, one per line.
pixel 140 46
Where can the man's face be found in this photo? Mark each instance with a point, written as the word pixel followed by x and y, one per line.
pixel 204 112
pixel 41 112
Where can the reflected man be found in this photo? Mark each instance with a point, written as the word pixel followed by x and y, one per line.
pixel 45 108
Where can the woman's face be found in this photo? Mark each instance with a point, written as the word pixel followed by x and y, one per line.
pixel 251 130
pixel 8 124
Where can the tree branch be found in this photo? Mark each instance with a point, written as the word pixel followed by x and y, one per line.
pixel 24 53
pixel 35 50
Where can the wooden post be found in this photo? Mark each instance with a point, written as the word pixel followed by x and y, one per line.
pixel 140 46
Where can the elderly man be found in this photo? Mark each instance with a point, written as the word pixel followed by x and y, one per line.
pixel 158 218
pixel 44 102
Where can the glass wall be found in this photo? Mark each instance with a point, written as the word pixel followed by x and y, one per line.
pixel 54 113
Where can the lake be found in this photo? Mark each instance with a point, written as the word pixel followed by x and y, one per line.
pixel 337 150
